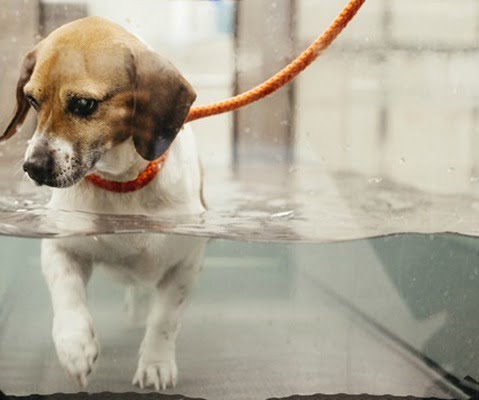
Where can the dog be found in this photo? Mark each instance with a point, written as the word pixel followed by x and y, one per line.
pixel 108 104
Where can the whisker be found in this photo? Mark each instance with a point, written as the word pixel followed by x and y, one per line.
pixel 25 178
pixel 18 164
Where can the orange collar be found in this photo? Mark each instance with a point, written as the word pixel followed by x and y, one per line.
pixel 145 177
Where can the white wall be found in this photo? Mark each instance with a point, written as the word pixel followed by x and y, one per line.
pixel 396 95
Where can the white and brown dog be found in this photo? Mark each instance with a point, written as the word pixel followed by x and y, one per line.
pixel 107 104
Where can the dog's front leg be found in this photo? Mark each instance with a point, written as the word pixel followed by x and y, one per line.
pixel 67 275
pixel 157 363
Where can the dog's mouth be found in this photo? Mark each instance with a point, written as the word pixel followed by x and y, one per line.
pixel 58 180
pixel 51 174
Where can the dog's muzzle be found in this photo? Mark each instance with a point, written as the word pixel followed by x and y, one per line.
pixel 39 167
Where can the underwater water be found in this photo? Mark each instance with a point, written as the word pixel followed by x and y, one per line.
pixel 395 314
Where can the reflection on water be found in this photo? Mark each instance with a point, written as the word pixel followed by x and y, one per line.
pixel 268 320
pixel 439 276
pixel 264 204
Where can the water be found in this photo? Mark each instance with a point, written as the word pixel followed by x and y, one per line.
pixel 260 203
pixel 393 314
pixel 316 282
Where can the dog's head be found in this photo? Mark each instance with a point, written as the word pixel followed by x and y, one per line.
pixel 94 86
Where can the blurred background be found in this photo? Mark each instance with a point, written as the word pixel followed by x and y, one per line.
pixel 395 96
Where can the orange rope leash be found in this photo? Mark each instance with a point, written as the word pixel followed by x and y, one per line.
pixel 286 74
pixel 271 85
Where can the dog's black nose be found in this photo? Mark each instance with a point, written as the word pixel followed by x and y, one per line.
pixel 39 167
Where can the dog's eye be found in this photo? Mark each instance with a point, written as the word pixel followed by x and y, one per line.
pixel 33 102
pixel 82 107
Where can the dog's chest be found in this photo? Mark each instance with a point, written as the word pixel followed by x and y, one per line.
pixel 136 257
pixel 121 248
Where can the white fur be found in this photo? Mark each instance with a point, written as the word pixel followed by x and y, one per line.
pixel 167 264
pixel 63 147
pixel 62 152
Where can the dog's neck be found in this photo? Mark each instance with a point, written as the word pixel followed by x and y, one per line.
pixel 121 163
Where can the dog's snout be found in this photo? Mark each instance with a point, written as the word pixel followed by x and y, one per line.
pixel 39 167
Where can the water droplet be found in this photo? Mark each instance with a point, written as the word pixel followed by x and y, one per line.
pixel 451 169
pixel 402 160
pixel 375 180
pixel 284 214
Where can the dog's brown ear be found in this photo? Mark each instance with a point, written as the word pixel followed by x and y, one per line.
pixel 162 100
pixel 22 104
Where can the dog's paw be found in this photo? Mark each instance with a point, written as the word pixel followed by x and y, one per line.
pixel 160 374
pixel 77 348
